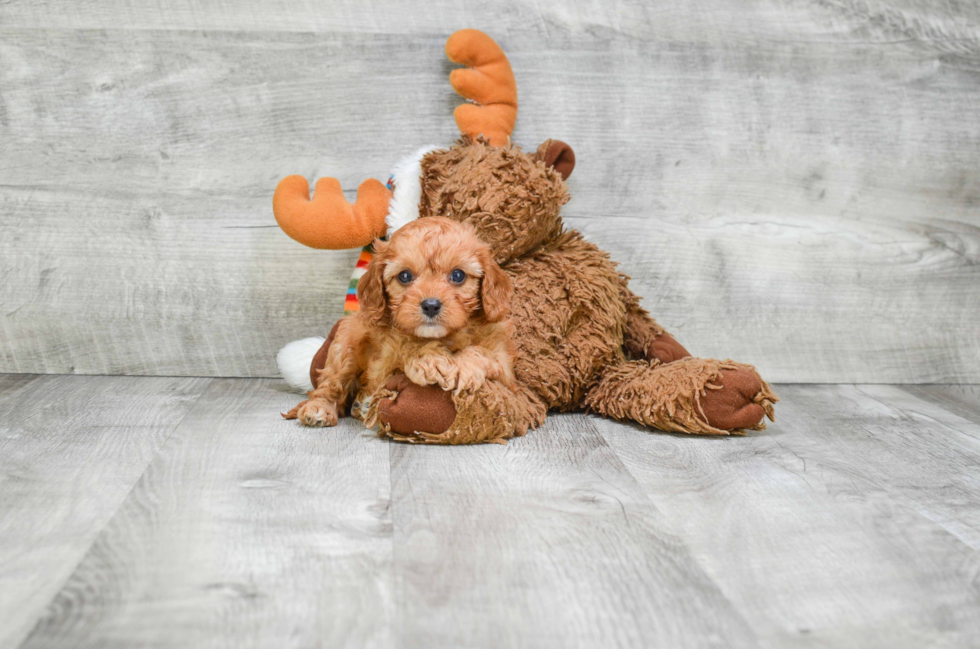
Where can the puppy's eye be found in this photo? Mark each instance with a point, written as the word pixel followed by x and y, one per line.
pixel 405 277
pixel 457 276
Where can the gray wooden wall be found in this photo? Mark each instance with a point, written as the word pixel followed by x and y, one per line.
pixel 792 183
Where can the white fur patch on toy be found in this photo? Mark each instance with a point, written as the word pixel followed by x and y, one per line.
pixel 407 193
pixel 294 361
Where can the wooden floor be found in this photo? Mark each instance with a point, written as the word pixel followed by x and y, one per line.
pixel 183 512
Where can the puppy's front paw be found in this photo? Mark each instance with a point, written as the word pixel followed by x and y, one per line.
pixel 432 370
pixel 317 412
pixel 470 378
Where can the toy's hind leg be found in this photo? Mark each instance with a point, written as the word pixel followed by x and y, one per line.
pixel 644 338
pixel 690 395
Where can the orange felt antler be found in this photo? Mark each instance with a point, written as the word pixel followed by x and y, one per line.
pixel 488 81
pixel 329 221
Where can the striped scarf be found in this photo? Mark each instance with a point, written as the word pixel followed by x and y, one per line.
pixel 351 305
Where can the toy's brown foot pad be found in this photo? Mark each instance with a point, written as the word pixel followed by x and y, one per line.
pixel 665 349
pixel 741 402
pixel 417 408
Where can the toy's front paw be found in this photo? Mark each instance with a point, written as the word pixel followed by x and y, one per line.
pixel 417 408
pixel 317 412
pixel 741 403
pixel 433 370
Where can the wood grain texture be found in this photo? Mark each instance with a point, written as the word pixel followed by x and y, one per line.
pixel 524 18
pixel 70 452
pixel 790 184
pixel 548 542
pixel 245 531
pixel 854 521
pixel 963 400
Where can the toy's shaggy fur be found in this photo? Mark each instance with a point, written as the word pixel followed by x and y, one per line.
pixel 466 343
pixel 511 198
pixel 583 340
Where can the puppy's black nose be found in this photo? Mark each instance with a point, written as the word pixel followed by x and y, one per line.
pixel 431 307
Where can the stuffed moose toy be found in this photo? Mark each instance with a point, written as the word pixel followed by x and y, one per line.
pixel 583 340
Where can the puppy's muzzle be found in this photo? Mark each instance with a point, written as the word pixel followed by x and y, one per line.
pixel 431 307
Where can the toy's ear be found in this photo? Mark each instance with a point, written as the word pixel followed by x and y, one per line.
pixel 371 287
pixel 558 155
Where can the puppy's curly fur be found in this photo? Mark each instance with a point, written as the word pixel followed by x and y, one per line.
pixel 457 345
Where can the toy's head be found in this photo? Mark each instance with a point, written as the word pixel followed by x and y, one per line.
pixel 512 198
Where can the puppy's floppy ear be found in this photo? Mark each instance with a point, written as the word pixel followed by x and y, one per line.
pixel 371 287
pixel 495 288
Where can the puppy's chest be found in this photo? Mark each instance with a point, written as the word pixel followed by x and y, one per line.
pixel 390 355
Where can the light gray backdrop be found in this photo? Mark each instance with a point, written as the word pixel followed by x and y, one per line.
pixel 792 183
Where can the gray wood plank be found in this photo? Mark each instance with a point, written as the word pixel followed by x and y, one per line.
pixel 924 455
pixel 71 449
pixel 245 531
pixel 547 542
pixel 876 20
pixel 853 522
pixel 780 178
pixel 962 400
pixel 183 301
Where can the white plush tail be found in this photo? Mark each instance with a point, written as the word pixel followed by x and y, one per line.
pixel 294 362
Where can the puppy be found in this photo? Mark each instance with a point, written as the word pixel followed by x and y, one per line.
pixel 434 305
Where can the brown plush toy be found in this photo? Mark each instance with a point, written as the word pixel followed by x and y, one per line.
pixel 584 342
